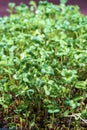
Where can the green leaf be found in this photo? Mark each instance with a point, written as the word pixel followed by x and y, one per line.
pixel 53 111
pixel 30 92
pixel 47 90
pixel 81 85
pixel 63 1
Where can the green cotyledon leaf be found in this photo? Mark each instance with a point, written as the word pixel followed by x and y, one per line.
pixel 43 65
pixel 81 85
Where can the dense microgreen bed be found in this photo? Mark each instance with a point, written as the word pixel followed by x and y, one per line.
pixel 43 67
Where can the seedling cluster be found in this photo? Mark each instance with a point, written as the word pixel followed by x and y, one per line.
pixel 43 67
